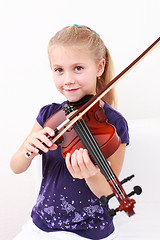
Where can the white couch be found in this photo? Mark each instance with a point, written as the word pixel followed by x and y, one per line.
pixel 142 159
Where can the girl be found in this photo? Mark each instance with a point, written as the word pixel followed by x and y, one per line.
pixel 68 202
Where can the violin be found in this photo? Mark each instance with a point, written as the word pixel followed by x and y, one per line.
pixel 100 138
pixel 86 126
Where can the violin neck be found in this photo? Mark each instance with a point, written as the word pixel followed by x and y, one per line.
pixel 94 150
pixel 98 157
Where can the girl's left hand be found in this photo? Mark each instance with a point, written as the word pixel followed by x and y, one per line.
pixel 80 165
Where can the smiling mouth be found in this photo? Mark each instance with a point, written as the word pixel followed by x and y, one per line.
pixel 71 90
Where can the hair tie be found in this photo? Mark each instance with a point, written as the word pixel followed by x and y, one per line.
pixel 94 32
pixel 88 28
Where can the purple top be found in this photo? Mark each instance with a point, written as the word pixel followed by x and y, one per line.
pixel 66 203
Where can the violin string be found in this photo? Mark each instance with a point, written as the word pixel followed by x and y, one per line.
pixel 103 162
pixel 94 149
pixel 84 137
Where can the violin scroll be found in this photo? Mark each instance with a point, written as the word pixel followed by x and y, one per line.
pixel 126 204
pixel 136 190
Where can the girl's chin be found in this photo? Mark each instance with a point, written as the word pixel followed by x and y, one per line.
pixel 74 98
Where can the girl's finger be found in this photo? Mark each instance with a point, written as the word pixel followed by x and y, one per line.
pixel 91 168
pixel 81 161
pixel 68 164
pixel 37 144
pixel 76 171
pixel 48 131
pixel 29 148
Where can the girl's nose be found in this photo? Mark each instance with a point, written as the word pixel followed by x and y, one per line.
pixel 68 79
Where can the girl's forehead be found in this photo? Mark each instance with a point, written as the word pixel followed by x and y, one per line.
pixel 74 51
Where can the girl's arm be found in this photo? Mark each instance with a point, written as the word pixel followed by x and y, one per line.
pixel 81 166
pixel 19 162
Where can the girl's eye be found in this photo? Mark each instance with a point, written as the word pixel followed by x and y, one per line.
pixel 58 70
pixel 78 68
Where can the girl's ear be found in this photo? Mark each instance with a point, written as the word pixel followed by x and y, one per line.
pixel 101 66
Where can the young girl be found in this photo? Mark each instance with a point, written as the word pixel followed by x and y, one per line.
pixel 68 203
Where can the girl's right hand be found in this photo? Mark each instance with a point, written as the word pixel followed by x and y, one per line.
pixel 36 141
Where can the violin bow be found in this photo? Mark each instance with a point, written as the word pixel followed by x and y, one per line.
pixel 71 120
pixel 86 107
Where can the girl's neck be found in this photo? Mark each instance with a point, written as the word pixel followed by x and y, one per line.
pixel 82 101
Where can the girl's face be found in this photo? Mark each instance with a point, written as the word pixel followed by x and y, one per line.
pixel 74 71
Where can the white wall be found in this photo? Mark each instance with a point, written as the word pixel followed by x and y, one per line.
pixel 127 27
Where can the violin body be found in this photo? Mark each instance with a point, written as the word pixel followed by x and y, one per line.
pixel 104 132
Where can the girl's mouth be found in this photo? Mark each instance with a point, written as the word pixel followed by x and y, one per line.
pixel 71 90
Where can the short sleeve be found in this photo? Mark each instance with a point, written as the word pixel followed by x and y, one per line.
pixel 116 119
pixel 46 111
pixel 122 130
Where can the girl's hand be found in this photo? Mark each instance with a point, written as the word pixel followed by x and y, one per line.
pixel 36 141
pixel 80 165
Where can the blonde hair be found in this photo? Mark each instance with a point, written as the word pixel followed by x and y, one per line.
pixel 84 36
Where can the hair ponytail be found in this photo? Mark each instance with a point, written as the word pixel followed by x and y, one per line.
pixel 106 77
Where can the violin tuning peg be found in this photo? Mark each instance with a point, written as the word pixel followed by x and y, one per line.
pixel 113 212
pixel 104 200
pixel 127 179
pixel 136 190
